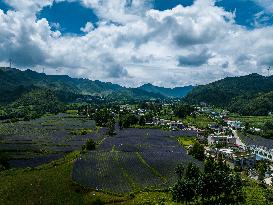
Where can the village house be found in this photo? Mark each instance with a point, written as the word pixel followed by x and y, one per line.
pixel 234 157
pixel 234 124
pixel 221 139
pixel 262 152
pixel 176 125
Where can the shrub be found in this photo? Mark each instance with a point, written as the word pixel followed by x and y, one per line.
pixel 81 132
pixel 89 145
pixel 3 161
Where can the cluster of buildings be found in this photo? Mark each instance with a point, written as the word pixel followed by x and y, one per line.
pixel 226 140
pixel 262 152
pixel 211 112
pixel 235 155
pixel 173 125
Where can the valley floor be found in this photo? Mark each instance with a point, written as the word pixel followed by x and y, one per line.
pixel 141 157
pixel 51 184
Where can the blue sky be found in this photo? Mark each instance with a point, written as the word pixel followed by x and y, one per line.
pixel 128 41
pixel 72 16
pixel 4 6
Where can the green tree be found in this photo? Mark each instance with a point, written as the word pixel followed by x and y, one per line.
pixel 89 145
pixel 261 168
pixel 127 120
pixel 183 191
pixel 102 116
pixel 197 151
pixel 183 110
pixel 110 125
pixel 179 170
pixel 142 121
pixel 192 172
pixel 215 184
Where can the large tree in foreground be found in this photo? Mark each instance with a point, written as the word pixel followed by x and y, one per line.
pixel 215 184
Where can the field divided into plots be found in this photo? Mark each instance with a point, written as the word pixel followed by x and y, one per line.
pixel 35 142
pixel 257 140
pixel 132 160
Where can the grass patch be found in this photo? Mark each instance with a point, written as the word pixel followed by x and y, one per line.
pixel 200 121
pixel 186 141
pixel 72 112
pixel 78 132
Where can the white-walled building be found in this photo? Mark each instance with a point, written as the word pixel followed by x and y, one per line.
pixel 220 139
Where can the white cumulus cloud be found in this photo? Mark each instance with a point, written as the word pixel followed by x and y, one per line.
pixel 133 44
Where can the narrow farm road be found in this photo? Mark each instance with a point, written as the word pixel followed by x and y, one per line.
pixel 238 140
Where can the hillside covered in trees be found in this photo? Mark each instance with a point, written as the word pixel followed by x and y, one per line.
pixel 14 83
pixel 247 95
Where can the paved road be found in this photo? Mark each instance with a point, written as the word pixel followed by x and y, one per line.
pixel 238 141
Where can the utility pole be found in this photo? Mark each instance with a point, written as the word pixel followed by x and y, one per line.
pixel 43 70
pixel 10 63
pixel 268 69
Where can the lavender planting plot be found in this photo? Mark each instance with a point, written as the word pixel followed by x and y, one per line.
pixel 49 134
pixel 140 173
pixel 258 141
pixel 147 156
pixel 100 171
pixel 165 162
pixel 19 147
pixel 59 136
pixel 107 144
pixel 33 162
pixel 63 149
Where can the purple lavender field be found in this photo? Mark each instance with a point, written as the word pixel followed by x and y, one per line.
pixel 132 160
pixel 35 142
pixel 257 140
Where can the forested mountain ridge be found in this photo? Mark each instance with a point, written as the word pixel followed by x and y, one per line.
pixel 167 92
pixel 14 83
pixel 248 95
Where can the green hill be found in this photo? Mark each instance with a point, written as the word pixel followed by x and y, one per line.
pixel 14 83
pixel 247 95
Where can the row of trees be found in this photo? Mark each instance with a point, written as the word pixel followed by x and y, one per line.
pixel 216 184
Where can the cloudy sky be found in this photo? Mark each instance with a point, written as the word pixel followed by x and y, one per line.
pixel 131 42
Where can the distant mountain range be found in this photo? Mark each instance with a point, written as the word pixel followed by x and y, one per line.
pixel 177 92
pixel 248 95
pixel 14 83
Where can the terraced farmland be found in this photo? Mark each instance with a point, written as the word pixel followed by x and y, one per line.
pixel 132 160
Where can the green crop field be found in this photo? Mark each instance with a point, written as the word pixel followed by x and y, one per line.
pixel 254 121
pixel 200 121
